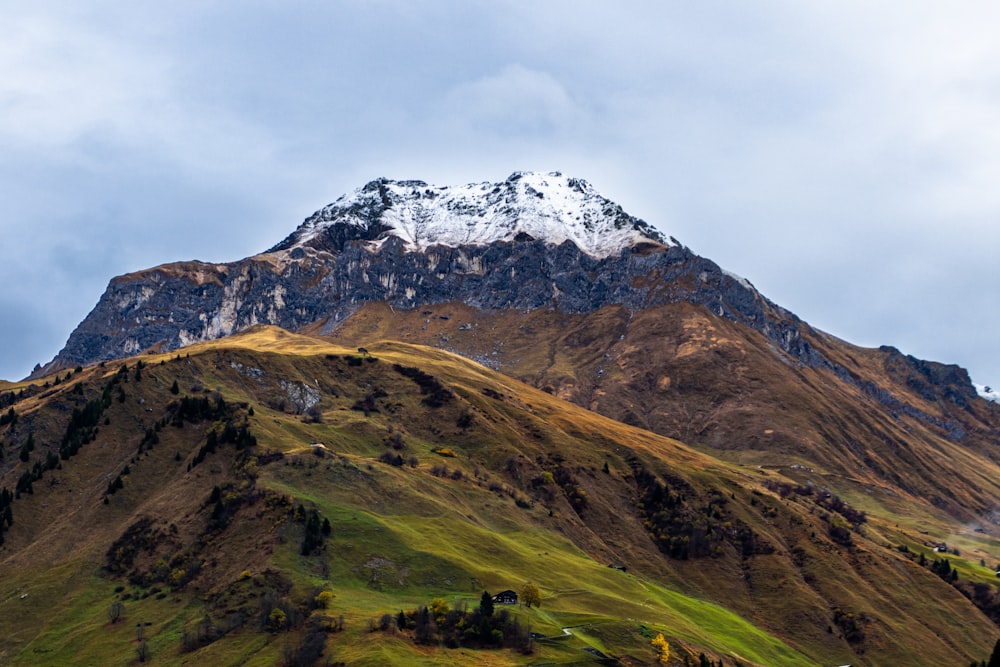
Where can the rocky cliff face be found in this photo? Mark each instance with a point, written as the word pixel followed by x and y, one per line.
pixel 171 306
pixel 533 241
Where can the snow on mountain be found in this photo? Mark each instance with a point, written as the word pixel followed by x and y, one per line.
pixel 988 393
pixel 549 207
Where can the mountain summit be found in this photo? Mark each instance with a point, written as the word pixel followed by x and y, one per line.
pixel 532 241
pixel 549 207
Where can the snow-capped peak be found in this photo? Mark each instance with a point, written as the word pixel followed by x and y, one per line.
pixel 545 206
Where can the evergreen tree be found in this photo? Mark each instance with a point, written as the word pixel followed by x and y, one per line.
pixel 425 628
pixel 312 539
pixel 211 442
pixel 114 485
pixel 486 604
pixel 174 388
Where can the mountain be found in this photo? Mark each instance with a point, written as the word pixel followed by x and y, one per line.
pixel 777 495
pixel 561 288
pixel 533 241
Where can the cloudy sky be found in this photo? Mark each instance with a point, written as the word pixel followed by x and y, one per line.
pixel 844 156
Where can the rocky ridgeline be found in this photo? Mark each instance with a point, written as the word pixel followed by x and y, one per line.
pixel 533 241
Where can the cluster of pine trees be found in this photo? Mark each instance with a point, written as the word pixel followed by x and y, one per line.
pixel 317 529
pixel 483 627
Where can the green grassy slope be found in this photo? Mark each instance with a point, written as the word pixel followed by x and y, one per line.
pixel 469 509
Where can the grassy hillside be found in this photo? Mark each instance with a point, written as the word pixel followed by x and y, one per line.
pixel 437 479
pixel 874 424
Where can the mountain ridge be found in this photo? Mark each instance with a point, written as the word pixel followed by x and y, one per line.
pixel 350 255
pixel 347 254
pixel 344 259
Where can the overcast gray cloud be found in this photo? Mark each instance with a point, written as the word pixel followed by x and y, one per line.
pixel 840 155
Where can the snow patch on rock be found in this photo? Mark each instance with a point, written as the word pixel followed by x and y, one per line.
pixel 549 207
pixel 741 280
pixel 988 393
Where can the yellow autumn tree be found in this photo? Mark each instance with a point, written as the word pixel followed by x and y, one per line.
pixel 662 648
pixel 439 610
pixel 530 595
pixel 276 620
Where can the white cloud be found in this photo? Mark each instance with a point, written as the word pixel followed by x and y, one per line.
pixel 516 101
pixel 72 89
pixel 62 82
